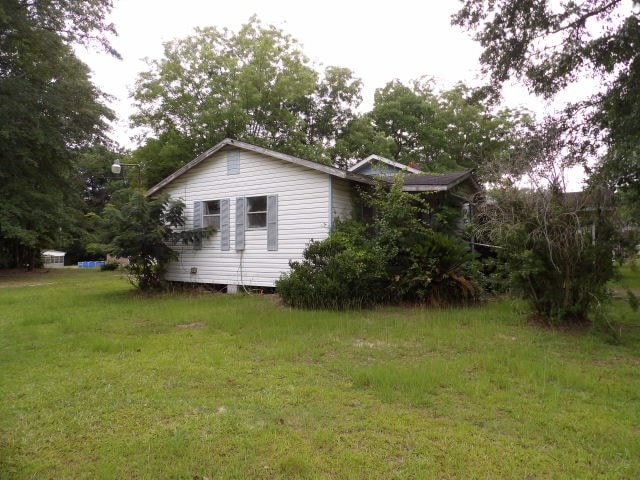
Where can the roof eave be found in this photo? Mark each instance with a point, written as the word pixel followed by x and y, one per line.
pixel 425 188
pixel 461 179
pixel 434 188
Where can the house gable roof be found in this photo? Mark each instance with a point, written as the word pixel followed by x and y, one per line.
pixel 413 182
pixel 435 183
pixel 230 143
pixel 373 159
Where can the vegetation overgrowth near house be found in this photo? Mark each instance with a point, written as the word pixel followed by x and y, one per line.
pixel 397 257
pixel 548 250
pixel 142 230
pixel 100 382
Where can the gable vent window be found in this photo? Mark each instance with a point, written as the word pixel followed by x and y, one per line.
pixel 257 212
pixel 211 214
pixel 233 162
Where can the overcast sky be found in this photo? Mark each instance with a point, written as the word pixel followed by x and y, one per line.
pixel 379 41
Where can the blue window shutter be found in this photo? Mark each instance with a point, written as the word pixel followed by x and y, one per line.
pixel 197 223
pixel 272 222
pixel 240 223
pixel 225 227
pixel 233 162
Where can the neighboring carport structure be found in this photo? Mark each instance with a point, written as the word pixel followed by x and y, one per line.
pixel 52 259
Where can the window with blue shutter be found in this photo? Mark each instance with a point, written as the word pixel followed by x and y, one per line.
pixel 225 227
pixel 272 222
pixel 197 223
pixel 240 223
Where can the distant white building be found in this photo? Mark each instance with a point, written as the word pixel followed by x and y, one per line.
pixel 53 259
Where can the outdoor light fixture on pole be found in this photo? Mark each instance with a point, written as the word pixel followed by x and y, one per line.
pixel 116 168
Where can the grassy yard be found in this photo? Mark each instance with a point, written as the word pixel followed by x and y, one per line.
pixel 98 382
pixel 629 277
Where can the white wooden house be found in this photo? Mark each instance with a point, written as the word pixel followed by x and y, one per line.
pixel 266 207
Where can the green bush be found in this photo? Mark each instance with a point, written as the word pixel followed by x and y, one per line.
pixel 548 250
pixel 143 230
pixel 343 271
pixel 435 270
pixel 110 266
pixel 396 258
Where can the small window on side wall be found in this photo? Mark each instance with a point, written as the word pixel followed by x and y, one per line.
pixel 257 212
pixel 211 214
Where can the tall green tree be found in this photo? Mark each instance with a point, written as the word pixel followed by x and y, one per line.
pixel 433 130
pixel 360 139
pixel 409 117
pixel 476 133
pixel 254 85
pixel 551 46
pixel 49 111
pixel 333 106
pixel 94 178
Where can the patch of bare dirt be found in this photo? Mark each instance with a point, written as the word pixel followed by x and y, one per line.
pixel 20 277
pixel 570 326
pixel 622 292
pixel 192 325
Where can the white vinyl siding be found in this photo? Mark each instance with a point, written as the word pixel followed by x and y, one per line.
pixel 301 196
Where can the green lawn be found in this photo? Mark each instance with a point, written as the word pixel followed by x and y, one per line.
pixel 630 276
pixel 98 382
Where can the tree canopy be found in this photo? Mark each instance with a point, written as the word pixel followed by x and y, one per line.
pixel 442 131
pixel 49 111
pixel 553 45
pixel 256 85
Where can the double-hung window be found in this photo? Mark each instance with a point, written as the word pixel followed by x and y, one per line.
pixel 211 214
pixel 257 212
